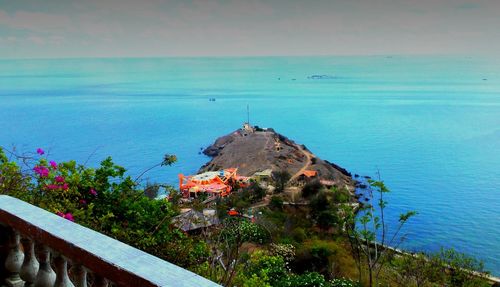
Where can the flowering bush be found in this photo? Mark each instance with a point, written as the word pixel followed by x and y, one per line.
pixel 104 199
pixel 310 279
pixel 242 230
pixel 287 251
pixel 68 216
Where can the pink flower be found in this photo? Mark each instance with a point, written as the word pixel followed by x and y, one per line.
pixel 53 186
pixel 59 179
pixel 65 186
pixel 40 151
pixel 69 216
pixel 83 201
pixel 93 192
pixel 42 171
pixel 53 164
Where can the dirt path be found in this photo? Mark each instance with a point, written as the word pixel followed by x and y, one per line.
pixel 306 165
pixel 264 202
pixel 294 192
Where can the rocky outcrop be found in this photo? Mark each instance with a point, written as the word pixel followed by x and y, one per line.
pixel 253 150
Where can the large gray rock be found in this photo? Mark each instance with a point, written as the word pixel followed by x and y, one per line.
pixel 253 151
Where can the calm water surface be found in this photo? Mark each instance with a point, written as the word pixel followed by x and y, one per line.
pixel 430 125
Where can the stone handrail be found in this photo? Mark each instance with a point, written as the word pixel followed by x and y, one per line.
pixel 36 235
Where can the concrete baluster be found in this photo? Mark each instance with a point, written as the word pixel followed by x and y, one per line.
pixel 79 275
pixel 62 279
pixel 100 281
pixel 46 277
pixel 14 260
pixel 30 265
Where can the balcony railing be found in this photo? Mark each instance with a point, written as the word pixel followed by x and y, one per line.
pixel 42 249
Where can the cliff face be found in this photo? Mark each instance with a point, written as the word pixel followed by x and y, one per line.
pixel 252 151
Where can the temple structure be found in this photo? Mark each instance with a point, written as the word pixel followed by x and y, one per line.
pixel 214 183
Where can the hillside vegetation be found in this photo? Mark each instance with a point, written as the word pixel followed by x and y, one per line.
pixel 317 243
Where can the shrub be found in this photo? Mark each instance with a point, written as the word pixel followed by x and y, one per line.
pixel 319 203
pixel 240 230
pixel 311 188
pixel 273 268
pixel 256 281
pixel 309 279
pixel 340 195
pixel 151 190
pixel 455 267
pixel 280 179
pixel 299 234
pixel 344 283
pixel 327 219
pixel 286 251
pixel 255 192
pixel 315 255
pixel 276 203
pixel 321 252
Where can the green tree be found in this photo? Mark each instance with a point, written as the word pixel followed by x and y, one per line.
pixel 368 249
pixel 255 192
pixel 276 203
pixel 327 219
pixel 280 178
pixel 225 242
pixel 311 188
pixel 13 181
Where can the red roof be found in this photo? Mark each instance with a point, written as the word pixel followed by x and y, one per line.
pixel 310 173
pixel 232 212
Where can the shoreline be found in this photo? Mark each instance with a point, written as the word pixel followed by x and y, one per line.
pixel 492 279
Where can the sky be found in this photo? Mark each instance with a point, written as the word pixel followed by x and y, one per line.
pixel 169 28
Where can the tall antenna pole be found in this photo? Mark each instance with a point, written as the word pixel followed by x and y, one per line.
pixel 248 114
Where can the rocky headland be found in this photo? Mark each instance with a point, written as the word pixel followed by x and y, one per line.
pixel 252 149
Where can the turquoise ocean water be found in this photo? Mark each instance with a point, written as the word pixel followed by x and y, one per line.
pixel 430 125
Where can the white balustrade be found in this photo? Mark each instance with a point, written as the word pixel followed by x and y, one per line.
pixel 62 279
pixel 46 276
pixel 14 260
pixel 79 275
pixel 30 266
pixel 41 245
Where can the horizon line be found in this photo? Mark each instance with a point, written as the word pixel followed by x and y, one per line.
pixel 245 56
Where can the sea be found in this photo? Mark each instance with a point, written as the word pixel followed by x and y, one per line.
pixel 428 125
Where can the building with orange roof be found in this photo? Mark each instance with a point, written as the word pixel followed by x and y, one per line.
pixel 310 173
pixel 307 175
pixel 214 183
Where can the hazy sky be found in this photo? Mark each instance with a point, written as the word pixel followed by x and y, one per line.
pixel 102 28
